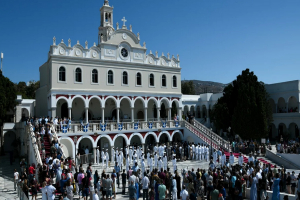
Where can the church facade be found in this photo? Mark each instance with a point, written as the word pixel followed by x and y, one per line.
pixel 114 92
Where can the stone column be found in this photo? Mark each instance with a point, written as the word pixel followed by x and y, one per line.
pixel 169 114
pixel 111 154
pixel 145 114
pixel 158 114
pixel 102 115
pixel 143 146
pixel 180 113
pixel 53 112
pixel 132 114
pixel 287 107
pixel 94 153
pixel 86 115
pixel 70 112
pixel 276 108
pixel 118 115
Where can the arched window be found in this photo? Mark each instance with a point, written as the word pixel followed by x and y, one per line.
pixel 151 80
pixel 174 81
pixel 78 75
pixel 110 77
pixel 163 81
pixel 62 74
pixel 138 79
pixel 125 78
pixel 94 76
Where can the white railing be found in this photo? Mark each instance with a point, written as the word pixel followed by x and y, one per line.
pixel 207 135
pixel 32 140
pixel 114 126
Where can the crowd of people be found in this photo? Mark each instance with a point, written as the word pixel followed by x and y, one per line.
pixel 290 146
pixel 149 176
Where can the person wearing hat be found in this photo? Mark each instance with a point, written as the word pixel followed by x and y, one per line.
pixel 174 187
pixel 215 156
pixel 174 163
pixel 196 152
pixel 165 161
pixel 116 154
pixel 138 154
pixel 121 158
pixel 204 152
pixel 113 154
pixel 127 163
pixel 107 157
pixel 223 159
pixel 160 163
pixel 130 154
pixel 102 156
pixel 155 148
pixel 148 158
pixel 240 160
pixel 134 157
pixel 155 159
pixel 143 166
pixel 207 153
pixel 151 163
pixel 98 155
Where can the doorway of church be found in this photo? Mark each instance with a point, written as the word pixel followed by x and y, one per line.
pixel 64 111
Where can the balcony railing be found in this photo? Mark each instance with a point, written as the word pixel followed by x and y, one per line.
pixel 97 126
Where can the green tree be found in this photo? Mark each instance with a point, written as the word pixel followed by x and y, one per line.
pixel 244 107
pixel 187 87
pixel 7 97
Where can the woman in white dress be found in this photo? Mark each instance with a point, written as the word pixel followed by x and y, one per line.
pixel 44 191
pixel 69 189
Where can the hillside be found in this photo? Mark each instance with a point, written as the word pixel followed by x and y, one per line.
pixel 207 86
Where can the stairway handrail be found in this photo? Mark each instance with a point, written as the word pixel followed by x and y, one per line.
pixel 219 141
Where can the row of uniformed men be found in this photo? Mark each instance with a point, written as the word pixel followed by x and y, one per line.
pixel 221 158
pixel 199 152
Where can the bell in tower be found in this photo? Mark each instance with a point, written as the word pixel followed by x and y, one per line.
pixel 106 26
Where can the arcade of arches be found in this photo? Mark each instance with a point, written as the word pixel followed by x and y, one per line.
pixel 145 140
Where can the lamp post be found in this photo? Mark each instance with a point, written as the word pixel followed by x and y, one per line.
pixel 75 141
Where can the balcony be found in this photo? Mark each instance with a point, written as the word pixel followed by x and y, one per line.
pixel 112 127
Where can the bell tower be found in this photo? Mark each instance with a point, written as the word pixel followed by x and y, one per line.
pixel 106 22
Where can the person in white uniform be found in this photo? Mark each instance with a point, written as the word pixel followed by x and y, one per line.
pixel 165 161
pixel 159 163
pixel 155 160
pixel 174 163
pixel 121 158
pixel 151 163
pixel 107 157
pixel 130 154
pixel 204 152
pixel 134 157
pixel 207 153
pixel 113 155
pixel 194 149
pixel 215 157
pixel 127 163
pixel 155 148
pixel 223 159
pixel 143 166
pixel 197 152
pixel 231 159
pixel 148 158
pixel 98 155
pixel 102 156
pixel 240 160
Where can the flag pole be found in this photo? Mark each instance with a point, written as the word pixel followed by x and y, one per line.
pixel 1 61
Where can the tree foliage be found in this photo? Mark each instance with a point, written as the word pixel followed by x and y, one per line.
pixel 7 97
pixel 187 87
pixel 244 107
pixel 27 91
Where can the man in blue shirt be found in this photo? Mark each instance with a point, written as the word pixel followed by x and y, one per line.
pixel 135 168
pixel 117 168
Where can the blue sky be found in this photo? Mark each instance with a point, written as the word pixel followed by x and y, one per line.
pixel 216 39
